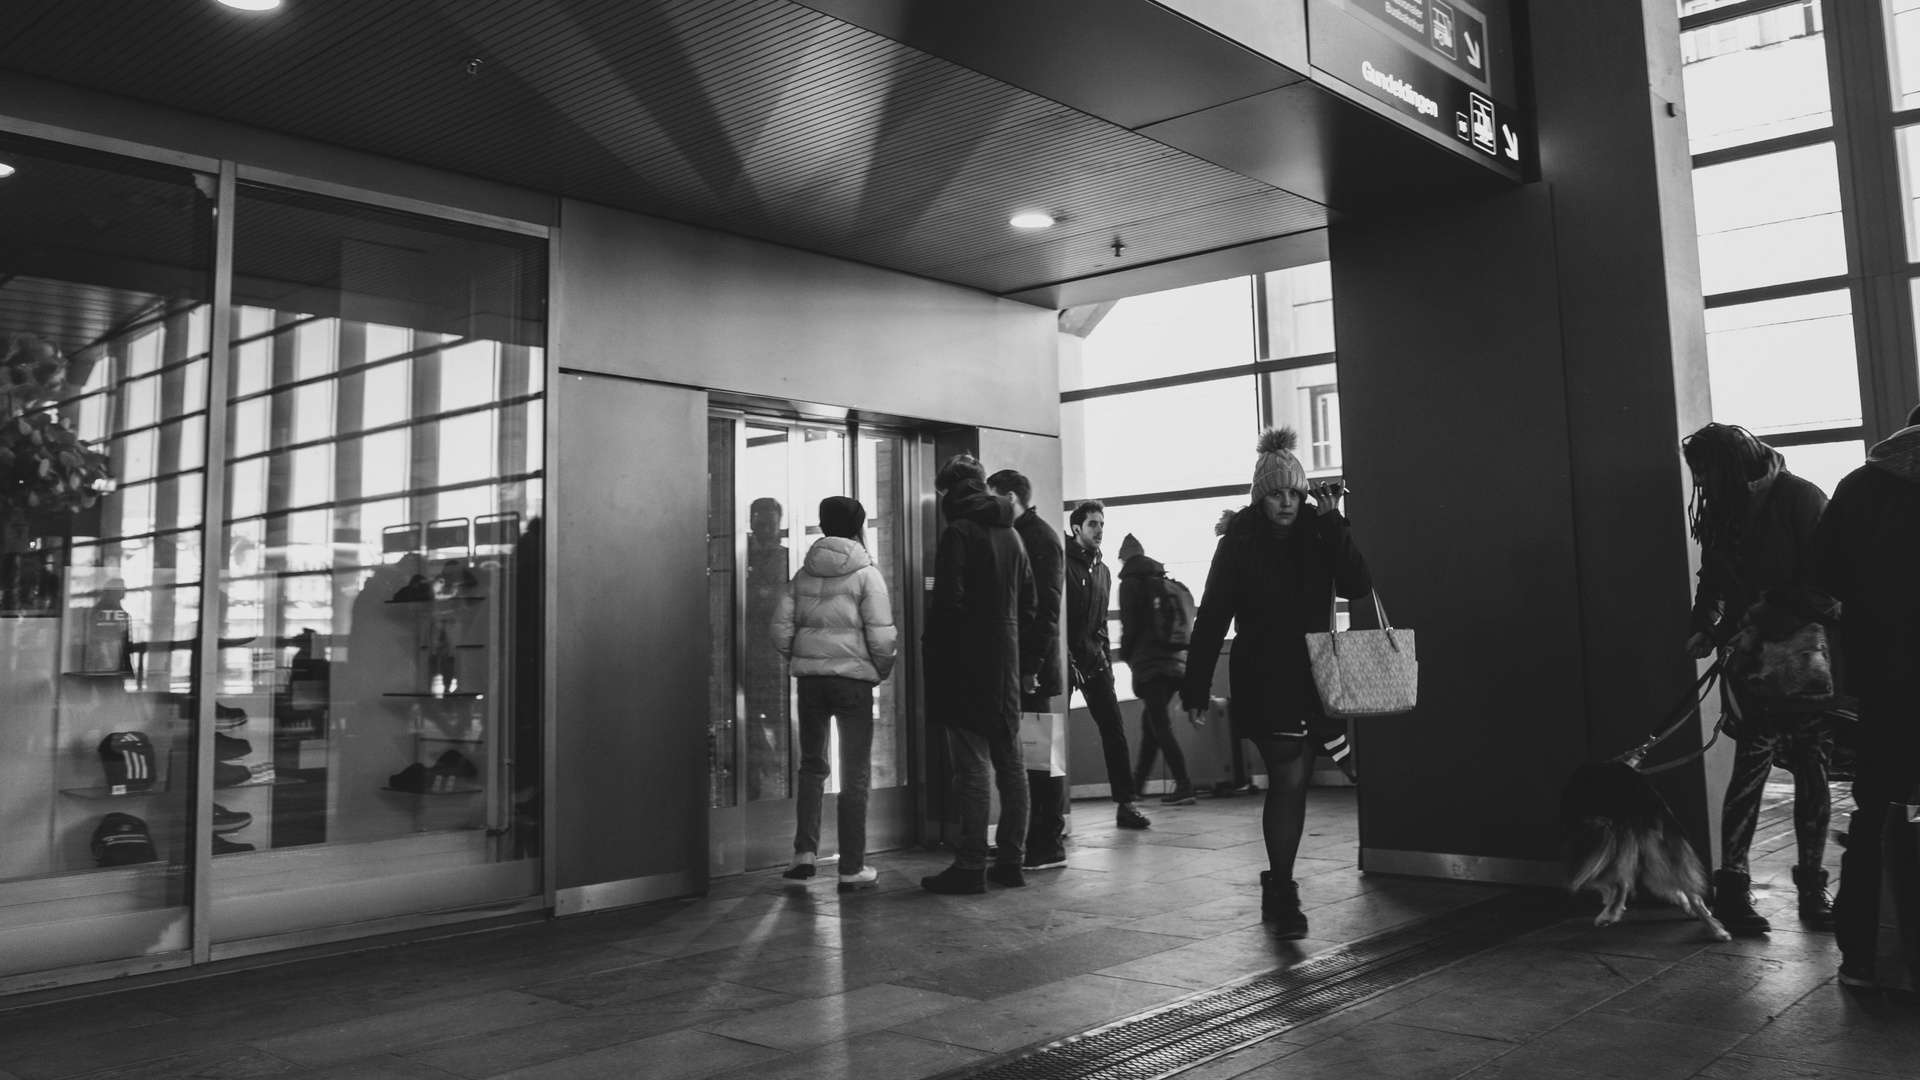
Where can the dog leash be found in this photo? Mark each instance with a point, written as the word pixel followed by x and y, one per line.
pixel 1675 720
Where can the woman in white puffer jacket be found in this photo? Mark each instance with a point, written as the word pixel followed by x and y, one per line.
pixel 835 625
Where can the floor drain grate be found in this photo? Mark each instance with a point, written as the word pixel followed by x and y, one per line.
pixel 1203 1027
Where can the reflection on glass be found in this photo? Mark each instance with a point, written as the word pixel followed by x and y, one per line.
pixel 880 472
pixel 763 480
pixel 723 759
pixel 1299 311
pixel 1907 142
pixel 1769 219
pixel 1308 401
pixel 1826 464
pixel 1182 437
pixel 103 359
pixel 1903 47
pixel 378 699
pixel 1168 333
pixel 1756 77
pixel 1784 365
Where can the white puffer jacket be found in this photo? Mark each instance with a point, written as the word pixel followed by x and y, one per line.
pixel 835 617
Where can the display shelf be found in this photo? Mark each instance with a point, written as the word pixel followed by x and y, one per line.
pixel 438 697
pixel 105 791
pixel 438 599
pixel 476 790
pixel 97 674
pixel 424 737
pixel 278 781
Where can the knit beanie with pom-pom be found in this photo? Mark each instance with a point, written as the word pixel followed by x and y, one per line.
pixel 1277 467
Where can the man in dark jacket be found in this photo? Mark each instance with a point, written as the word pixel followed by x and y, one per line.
pixel 1866 553
pixel 980 650
pixel 1148 611
pixel 1088 586
pixel 1046 811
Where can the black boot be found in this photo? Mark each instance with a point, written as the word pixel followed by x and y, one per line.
pixel 957 880
pixel 1816 910
pixel 1280 906
pixel 1733 904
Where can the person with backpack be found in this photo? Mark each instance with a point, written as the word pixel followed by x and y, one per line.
pixel 1866 553
pixel 834 623
pixel 1156 625
pixel 1047 795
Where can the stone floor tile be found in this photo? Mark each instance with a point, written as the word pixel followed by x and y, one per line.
pixel 1784 944
pixel 883 1055
pixel 637 982
pixel 1534 992
pixel 1721 990
pixel 1210 919
pixel 1380 910
pixel 1046 1012
pixel 1603 1045
pixel 678 1055
pixel 394 1031
pixel 111 1048
pixel 1653 933
pixel 1390 1001
pixel 210 1063
pixel 381 1067
pixel 1198 965
pixel 1080 954
pixel 1835 1026
pixel 1383 1051
pixel 1242 1061
pixel 1742 1067
pixel 813 1021
pixel 58 1022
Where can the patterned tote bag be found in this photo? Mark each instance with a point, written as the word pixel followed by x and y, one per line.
pixel 1365 672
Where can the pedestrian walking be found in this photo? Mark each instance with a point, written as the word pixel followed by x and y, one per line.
pixel 1046 793
pixel 1090 670
pixel 980 649
pixel 1156 626
pixel 1754 521
pixel 1274 572
pixel 834 624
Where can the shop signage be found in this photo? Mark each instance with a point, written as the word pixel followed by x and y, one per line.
pixel 1444 66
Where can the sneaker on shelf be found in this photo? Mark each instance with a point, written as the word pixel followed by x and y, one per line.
pixel 864 878
pixel 1131 818
pixel 224 846
pixel 228 748
pixel 228 718
pixel 453 772
pixel 261 772
pixel 226 821
pixel 413 779
pixel 1180 796
pixel 801 867
pixel 225 775
pixel 1006 874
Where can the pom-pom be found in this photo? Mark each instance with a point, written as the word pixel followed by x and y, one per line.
pixel 1226 519
pixel 1276 439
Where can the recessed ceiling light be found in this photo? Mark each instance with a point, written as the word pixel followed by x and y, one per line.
pixel 1031 219
pixel 6 170
pixel 252 5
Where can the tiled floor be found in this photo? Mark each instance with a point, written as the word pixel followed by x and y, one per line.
pixel 767 978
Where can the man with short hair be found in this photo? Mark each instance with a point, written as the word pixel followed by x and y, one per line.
pixel 1865 552
pixel 980 650
pixel 1046 821
pixel 1088 586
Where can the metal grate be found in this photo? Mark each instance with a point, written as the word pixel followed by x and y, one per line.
pixel 1209 1025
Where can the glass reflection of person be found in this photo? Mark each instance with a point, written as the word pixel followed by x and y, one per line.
pixel 765 673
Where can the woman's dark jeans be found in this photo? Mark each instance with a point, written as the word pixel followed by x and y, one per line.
pixel 823 700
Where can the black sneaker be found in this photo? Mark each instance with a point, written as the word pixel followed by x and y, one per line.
pixel 1130 818
pixel 1180 796
pixel 122 840
pixel 956 881
pixel 226 821
pixel 228 748
pixel 1006 874
pixel 225 775
pixel 1733 904
pixel 1046 860
pixel 224 846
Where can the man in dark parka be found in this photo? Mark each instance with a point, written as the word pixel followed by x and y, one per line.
pixel 1046 821
pixel 980 649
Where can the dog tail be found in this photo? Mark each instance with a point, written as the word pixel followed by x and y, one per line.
pixel 1592 845
pixel 1674 868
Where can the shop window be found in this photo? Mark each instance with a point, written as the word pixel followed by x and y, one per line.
pixel 1199 328
pixel 1770 219
pixel 1756 77
pixel 1784 365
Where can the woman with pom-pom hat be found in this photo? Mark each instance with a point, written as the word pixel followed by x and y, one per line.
pixel 1274 573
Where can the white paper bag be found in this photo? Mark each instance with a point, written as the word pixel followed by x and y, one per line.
pixel 1043 742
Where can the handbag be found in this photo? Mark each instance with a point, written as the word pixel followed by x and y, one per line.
pixel 1793 672
pixel 1364 672
pixel 1043 742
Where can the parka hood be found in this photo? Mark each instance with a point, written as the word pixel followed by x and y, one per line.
pixel 1141 566
pixel 836 556
pixel 1757 489
pixel 1899 454
pixel 970 500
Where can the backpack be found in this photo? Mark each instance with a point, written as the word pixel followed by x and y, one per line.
pixel 1171 623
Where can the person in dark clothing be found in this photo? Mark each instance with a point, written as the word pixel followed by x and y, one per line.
pixel 1274 574
pixel 1866 553
pixel 1157 667
pixel 1754 521
pixel 1046 802
pixel 1088 665
pixel 980 649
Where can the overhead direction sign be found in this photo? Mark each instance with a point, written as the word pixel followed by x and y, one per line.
pixel 1444 66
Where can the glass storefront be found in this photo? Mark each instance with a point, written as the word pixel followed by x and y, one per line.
pixel 371 739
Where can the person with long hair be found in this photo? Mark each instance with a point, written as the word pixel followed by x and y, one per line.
pixel 1278 563
pixel 1754 522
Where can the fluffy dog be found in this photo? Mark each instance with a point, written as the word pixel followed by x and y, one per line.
pixel 1621 835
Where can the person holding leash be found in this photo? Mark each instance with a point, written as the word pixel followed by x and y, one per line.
pixel 1273 577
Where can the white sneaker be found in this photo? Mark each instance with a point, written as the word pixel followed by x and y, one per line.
pixel 865 878
pixel 801 866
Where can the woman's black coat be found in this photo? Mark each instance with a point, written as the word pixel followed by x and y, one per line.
pixel 980 639
pixel 1274 592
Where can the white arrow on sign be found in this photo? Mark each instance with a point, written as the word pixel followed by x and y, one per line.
pixel 1513 142
pixel 1473 50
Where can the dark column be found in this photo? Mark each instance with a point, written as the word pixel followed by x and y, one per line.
pixel 1516 373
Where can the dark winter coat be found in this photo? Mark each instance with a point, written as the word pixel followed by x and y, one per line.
pixel 1145 656
pixel 1866 553
pixel 1045 556
pixel 1089 584
pixel 1274 592
pixel 980 641
pixel 1782 510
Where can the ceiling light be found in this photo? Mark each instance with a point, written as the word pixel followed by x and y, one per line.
pixel 252 5
pixel 6 170
pixel 1031 219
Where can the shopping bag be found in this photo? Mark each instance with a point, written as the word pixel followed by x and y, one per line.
pixel 1043 742
pixel 1365 672
pixel 1896 959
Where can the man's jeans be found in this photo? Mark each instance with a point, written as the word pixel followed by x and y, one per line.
pixel 1105 708
pixel 981 763
pixel 824 698
pixel 1886 771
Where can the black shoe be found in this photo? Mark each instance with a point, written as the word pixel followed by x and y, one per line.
pixel 1045 860
pixel 228 718
pixel 228 748
pixel 1130 818
pixel 224 846
pixel 800 869
pixel 226 821
pixel 1179 796
pixel 1816 909
pixel 1733 904
pixel 1280 907
pixel 225 775
pixel 1006 874
pixel 956 881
